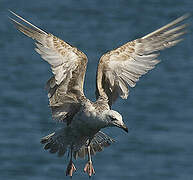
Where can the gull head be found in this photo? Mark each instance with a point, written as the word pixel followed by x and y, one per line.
pixel 114 119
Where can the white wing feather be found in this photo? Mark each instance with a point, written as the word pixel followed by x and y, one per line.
pixel 68 65
pixel 123 66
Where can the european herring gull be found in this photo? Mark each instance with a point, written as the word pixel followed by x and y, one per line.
pixel 117 70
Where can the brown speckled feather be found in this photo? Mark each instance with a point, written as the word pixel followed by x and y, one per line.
pixel 68 65
pixel 123 66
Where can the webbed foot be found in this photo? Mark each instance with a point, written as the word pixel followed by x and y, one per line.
pixel 70 169
pixel 89 168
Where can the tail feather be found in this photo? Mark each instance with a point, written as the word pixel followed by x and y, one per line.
pixel 55 142
pixel 48 146
pixel 47 138
pixel 97 144
pixel 81 153
pixel 54 148
pixel 61 151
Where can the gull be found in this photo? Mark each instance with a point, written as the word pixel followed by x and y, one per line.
pixel 118 71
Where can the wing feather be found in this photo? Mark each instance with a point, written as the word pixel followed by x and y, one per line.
pixel 68 65
pixel 123 66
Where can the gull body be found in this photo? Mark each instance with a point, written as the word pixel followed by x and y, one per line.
pixel 118 70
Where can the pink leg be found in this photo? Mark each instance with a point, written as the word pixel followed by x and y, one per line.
pixel 89 167
pixel 71 167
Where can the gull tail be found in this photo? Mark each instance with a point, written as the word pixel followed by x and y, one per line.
pixel 55 142
pixel 97 144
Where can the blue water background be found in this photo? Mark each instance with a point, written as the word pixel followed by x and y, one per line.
pixel 158 112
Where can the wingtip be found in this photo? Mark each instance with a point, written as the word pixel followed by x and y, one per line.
pixel 25 21
pixel 183 17
pixel 13 12
pixel 169 25
pixel 186 15
pixel 12 20
pixel 10 11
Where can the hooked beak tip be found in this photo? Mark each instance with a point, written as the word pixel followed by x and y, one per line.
pixel 122 126
pixel 125 128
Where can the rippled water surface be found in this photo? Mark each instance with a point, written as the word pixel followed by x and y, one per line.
pixel 158 112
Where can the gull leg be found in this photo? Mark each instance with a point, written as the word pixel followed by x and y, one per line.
pixel 71 167
pixel 89 167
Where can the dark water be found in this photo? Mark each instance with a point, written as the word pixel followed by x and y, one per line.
pixel 159 111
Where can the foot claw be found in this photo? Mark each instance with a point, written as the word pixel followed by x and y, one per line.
pixel 70 169
pixel 89 168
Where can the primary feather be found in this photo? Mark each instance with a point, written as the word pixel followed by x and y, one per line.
pixel 68 65
pixel 121 68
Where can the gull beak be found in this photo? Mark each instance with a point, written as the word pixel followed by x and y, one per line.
pixel 124 127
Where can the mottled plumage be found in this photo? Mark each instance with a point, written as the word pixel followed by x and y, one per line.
pixel 118 70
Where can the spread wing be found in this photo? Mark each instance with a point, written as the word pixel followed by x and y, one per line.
pixel 121 68
pixel 68 65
